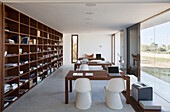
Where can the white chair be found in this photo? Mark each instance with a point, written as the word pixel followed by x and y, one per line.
pixel 112 93
pixel 84 67
pixel 85 60
pixel 82 87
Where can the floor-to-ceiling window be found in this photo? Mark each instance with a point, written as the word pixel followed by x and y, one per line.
pixel 155 54
pixel 74 48
pixel 118 49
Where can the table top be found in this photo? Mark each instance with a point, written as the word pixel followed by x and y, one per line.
pixel 97 75
pixel 90 58
pixel 96 63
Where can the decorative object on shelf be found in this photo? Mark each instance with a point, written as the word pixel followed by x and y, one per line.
pixel 10 41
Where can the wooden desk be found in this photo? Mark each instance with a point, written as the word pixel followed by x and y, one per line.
pixel 89 58
pixel 97 75
pixel 76 65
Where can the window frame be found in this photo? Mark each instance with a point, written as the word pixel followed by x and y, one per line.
pixel 72 47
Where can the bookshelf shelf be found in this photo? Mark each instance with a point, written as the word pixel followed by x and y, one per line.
pixel 34 48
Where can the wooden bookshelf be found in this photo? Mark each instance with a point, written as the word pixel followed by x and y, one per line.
pixel 37 51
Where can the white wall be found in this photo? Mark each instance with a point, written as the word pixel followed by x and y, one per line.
pixel 67 49
pixel 88 43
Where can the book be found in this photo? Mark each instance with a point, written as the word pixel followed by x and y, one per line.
pixel 25 40
pixel 20 51
pixel 22 91
pixel 31 83
pixel 6 104
pixel 48 35
pixel 77 74
pixel 34 41
pixel 10 77
pixel 5 54
pixel 9 41
pixel 15 38
pixel 7 88
pixel 10 98
pixel 23 80
pixel 89 74
pixel 11 64
pixel 150 105
pixel 38 33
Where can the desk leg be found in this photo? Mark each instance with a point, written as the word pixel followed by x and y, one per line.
pixel 128 91
pixel 66 92
pixel 70 85
pixel 75 66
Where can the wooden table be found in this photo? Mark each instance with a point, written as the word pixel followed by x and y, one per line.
pixel 76 65
pixel 90 58
pixel 97 75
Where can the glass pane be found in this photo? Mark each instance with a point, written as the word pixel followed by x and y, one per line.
pixel 162 55
pixel 75 48
pixel 147 52
pixel 155 54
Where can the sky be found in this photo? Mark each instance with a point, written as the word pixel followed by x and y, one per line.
pixel 162 34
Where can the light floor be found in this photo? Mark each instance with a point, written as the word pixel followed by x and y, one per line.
pixel 49 96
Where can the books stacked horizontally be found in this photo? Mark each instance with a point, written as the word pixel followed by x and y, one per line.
pixel 22 91
pixel 22 81
pixel 7 78
pixel 6 104
pixel 13 85
pixel 10 86
pixel 7 88
pixel 10 65
pixel 10 98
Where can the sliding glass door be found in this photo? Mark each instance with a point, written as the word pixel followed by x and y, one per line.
pixel 155 54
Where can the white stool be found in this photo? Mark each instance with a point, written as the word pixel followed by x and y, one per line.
pixel 82 88
pixel 113 93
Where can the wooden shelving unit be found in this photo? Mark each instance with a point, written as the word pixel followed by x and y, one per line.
pixel 35 60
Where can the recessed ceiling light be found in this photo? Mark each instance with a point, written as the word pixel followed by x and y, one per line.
pixel 90 4
pixel 89 13
pixel 88 18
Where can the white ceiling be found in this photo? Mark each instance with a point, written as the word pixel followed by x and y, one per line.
pixel 73 16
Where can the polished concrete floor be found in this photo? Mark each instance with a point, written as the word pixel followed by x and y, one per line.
pixel 48 96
